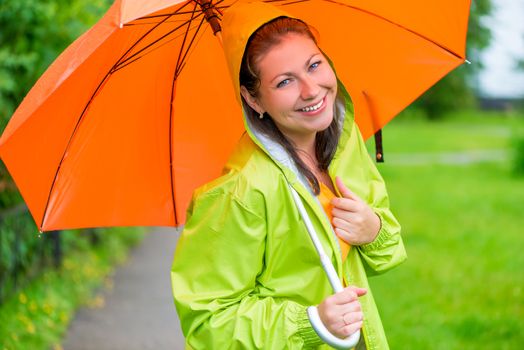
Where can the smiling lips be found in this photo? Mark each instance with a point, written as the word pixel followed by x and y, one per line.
pixel 313 108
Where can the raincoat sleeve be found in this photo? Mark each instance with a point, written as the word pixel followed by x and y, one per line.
pixel 387 250
pixel 214 278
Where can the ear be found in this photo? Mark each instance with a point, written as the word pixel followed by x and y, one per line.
pixel 251 100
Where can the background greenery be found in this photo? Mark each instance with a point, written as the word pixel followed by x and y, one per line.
pixel 455 90
pixel 38 297
pixel 37 316
pixel 462 286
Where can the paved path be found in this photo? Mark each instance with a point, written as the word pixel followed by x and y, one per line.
pixel 138 312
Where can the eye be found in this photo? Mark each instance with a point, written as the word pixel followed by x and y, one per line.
pixel 315 65
pixel 283 83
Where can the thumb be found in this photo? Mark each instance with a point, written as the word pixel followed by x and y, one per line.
pixel 344 191
pixel 359 291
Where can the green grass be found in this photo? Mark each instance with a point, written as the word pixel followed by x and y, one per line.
pixel 463 226
pixel 463 131
pixel 37 316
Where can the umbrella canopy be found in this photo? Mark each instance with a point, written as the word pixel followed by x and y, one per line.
pixel 140 110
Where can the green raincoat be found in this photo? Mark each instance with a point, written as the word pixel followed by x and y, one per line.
pixel 245 269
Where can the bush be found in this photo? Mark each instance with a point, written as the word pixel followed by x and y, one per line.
pixel 518 154
pixel 37 316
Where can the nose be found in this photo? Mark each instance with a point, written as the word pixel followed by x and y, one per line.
pixel 309 88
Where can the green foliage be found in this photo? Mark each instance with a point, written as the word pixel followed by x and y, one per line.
pixel 518 154
pixel 450 93
pixel 25 254
pixel 454 91
pixel 32 34
pixel 20 251
pixel 37 316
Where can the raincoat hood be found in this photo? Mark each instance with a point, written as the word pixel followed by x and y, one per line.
pixel 238 24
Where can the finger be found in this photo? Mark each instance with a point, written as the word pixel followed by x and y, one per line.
pixel 360 291
pixel 347 215
pixel 341 224
pixel 333 316
pixel 350 329
pixel 351 307
pixel 352 317
pixel 346 236
pixel 347 204
pixel 344 191
pixel 348 295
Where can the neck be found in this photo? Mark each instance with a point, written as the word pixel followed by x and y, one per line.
pixel 307 153
pixel 305 148
pixel 305 144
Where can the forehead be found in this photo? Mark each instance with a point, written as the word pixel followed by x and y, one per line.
pixel 290 55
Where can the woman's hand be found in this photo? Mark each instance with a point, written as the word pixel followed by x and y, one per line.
pixel 341 312
pixel 354 221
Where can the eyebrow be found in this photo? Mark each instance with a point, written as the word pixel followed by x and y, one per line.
pixel 290 73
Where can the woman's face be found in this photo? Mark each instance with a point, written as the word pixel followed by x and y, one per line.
pixel 297 88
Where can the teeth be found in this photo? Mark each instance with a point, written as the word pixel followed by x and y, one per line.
pixel 313 108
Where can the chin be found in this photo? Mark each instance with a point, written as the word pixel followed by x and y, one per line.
pixel 324 124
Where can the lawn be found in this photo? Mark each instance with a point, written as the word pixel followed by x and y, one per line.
pixel 463 226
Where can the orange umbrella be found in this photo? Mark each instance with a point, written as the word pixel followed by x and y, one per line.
pixel 139 111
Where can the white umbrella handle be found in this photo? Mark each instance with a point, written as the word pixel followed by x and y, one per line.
pixel 324 334
pixel 331 273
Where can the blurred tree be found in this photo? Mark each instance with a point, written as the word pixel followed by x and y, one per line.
pixel 520 60
pixel 32 34
pixel 455 90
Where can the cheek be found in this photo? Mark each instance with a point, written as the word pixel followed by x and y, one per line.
pixel 282 101
pixel 333 81
pixel 329 78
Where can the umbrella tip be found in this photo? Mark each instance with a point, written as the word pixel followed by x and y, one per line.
pixel 468 62
pixel 121 25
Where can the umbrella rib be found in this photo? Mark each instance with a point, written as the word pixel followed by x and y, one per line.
pixel 189 46
pixel 178 60
pixel 125 63
pixel 98 88
pixel 285 1
pixel 173 85
pixel 178 13
pixel 143 36
pixel 157 16
pixel 398 25
pixel 152 43
pixel 150 23
pixel 178 70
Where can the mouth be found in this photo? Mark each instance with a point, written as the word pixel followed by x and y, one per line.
pixel 311 109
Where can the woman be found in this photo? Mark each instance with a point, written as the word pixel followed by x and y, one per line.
pixel 245 270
